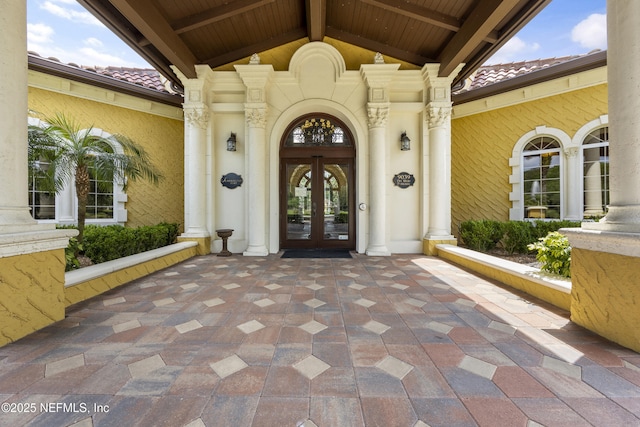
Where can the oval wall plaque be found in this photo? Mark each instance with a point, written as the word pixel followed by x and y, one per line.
pixel 231 180
pixel 404 179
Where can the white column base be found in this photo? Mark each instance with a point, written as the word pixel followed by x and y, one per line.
pixel 439 236
pixel 16 216
pixel 256 251
pixel 195 233
pixel 378 250
pixel 623 219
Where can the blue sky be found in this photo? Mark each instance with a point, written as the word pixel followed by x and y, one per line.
pixel 65 30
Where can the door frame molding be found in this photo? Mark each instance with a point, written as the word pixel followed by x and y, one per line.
pixel 291 154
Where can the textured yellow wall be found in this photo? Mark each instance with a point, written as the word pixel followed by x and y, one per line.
pixel 483 143
pixel 163 138
pixel 604 299
pixel 32 293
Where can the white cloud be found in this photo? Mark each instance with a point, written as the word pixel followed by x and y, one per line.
pixel 69 11
pixel 94 42
pixel 39 34
pixel 591 33
pixel 515 49
pixel 90 56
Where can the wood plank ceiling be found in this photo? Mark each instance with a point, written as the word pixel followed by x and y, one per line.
pixel 217 32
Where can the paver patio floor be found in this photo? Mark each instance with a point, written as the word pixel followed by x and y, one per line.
pixel 405 340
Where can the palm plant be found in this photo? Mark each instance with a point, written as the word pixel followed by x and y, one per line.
pixel 72 151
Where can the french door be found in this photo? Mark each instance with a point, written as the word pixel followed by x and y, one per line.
pixel 317 202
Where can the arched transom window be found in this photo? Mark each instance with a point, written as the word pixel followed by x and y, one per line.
pixel 317 131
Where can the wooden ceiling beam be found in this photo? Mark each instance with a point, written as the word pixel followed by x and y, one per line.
pixel 482 20
pixel 372 45
pixel 246 51
pixel 143 15
pixel 316 19
pixel 216 14
pixel 425 15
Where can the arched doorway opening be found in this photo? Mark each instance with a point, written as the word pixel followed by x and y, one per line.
pixel 317 194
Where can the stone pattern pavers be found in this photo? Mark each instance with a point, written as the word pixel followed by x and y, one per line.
pixel 405 340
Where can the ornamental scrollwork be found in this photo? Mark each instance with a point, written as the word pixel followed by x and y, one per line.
pixel 378 116
pixel 438 116
pixel 197 116
pixel 256 117
pixel 572 151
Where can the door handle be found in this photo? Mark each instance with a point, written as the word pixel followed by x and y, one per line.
pixel 313 209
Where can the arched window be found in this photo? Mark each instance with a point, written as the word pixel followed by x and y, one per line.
pixel 541 178
pixel 317 131
pixel 595 155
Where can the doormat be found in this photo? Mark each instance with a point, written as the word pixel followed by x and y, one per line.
pixel 316 253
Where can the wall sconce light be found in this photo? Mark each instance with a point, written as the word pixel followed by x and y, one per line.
pixel 405 142
pixel 231 142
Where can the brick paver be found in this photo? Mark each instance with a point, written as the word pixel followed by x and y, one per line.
pixel 405 340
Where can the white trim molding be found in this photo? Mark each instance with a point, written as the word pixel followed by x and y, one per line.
pixel 516 212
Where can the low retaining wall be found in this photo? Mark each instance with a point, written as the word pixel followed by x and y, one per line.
pixel 552 289
pixel 88 282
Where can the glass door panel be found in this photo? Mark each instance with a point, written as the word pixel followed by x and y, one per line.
pixel 336 201
pixel 299 201
pixel 317 203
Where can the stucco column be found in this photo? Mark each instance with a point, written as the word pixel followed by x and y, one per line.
pixel 31 254
pixel 378 116
pixel 377 77
pixel 256 116
pixel 256 79
pixel 195 146
pixel 623 68
pixel 438 119
pixel 605 256
pixel 14 197
pixel 197 123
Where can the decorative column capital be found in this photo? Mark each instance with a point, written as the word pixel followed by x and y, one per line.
pixel 378 115
pixel 572 151
pixel 438 115
pixel 196 115
pixel 256 116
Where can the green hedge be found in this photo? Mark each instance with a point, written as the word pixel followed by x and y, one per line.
pixel 512 236
pixel 106 243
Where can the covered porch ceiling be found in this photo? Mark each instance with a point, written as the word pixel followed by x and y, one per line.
pixel 218 32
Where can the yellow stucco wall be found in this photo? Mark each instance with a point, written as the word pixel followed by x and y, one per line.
pixel 32 293
pixel 604 299
pixel 483 143
pixel 162 137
